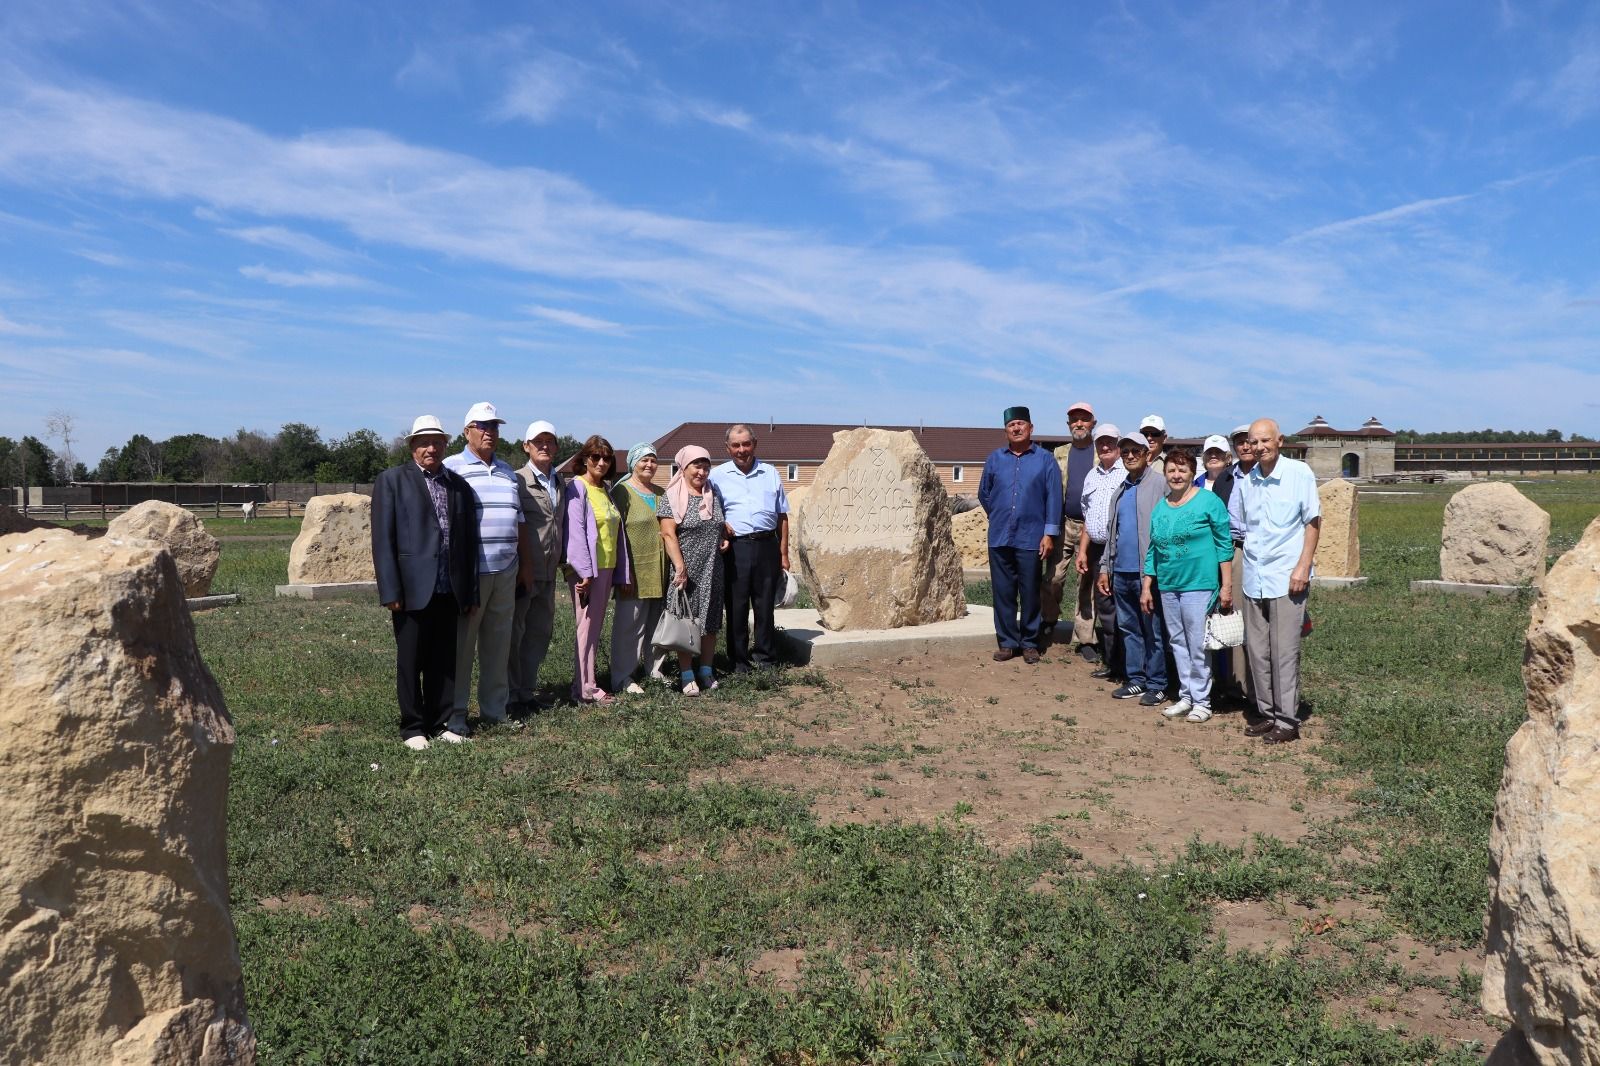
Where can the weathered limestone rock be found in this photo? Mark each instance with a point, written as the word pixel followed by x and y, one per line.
pixel 1543 968
pixel 971 532
pixel 795 495
pixel 115 941
pixel 1493 535
pixel 194 550
pixel 874 536
pixel 1339 544
pixel 335 541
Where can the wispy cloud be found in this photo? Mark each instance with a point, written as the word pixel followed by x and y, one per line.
pixel 10 327
pixel 575 319
pixel 305 279
pixel 1573 93
pixel 288 240
pixel 1380 218
pixel 540 87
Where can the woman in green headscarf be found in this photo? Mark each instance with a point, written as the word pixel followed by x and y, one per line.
pixel 635 617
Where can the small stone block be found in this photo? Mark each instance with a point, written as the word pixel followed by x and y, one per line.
pixel 1337 582
pixel 205 603
pixel 1464 588
pixel 809 643
pixel 344 590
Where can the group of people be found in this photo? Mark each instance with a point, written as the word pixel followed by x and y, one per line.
pixel 1151 540
pixel 468 551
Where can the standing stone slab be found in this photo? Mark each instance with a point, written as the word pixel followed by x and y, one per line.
pixel 116 945
pixel 971 532
pixel 1339 542
pixel 1543 968
pixel 194 550
pixel 335 541
pixel 1493 535
pixel 874 536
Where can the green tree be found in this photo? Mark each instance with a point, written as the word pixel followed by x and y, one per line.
pixel 40 463
pixel 359 457
pixel 296 452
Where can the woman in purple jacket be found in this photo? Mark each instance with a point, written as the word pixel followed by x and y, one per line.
pixel 597 559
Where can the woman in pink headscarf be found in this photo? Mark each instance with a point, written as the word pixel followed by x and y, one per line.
pixel 694 535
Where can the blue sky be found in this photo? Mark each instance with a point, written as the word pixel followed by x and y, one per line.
pixel 622 216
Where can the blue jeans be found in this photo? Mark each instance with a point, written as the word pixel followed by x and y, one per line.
pixel 1144 641
pixel 1015 573
pixel 1185 614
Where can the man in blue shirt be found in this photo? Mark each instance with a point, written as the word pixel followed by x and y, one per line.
pixel 756 510
pixel 1021 493
pixel 1282 518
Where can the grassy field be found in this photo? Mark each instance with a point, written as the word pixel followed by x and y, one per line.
pixel 573 892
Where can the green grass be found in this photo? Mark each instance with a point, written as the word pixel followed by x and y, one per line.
pixel 584 890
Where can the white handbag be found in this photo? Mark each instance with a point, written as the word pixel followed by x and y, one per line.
pixel 791 590
pixel 1224 630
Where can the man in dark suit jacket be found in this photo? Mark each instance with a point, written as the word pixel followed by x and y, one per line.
pixel 425 554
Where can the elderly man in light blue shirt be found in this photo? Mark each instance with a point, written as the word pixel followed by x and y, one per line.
pixel 756 510
pixel 1281 518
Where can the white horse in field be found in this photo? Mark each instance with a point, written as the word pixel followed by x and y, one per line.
pixel 248 508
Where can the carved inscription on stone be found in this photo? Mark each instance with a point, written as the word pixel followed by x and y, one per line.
pixel 874 508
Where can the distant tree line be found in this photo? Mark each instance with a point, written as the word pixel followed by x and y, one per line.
pixel 296 452
pixel 1489 436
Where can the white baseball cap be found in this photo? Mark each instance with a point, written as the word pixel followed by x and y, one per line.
pixel 1107 429
pixel 1155 422
pixel 425 425
pixel 1240 431
pixel 1131 438
pixel 1217 441
pixel 536 428
pixel 482 412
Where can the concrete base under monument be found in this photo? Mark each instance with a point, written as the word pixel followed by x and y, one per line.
pixel 1337 582
pixel 205 603
pixel 1467 588
pixel 344 590
pixel 808 643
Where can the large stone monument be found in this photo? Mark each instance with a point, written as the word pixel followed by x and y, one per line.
pixel 116 945
pixel 335 541
pixel 194 550
pixel 1543 969
pixel 1493 535
pixel 1338 557
pixel 874 536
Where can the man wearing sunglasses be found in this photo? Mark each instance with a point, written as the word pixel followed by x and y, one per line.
pixel 505 561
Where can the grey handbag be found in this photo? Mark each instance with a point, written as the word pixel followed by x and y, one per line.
pixel 678 629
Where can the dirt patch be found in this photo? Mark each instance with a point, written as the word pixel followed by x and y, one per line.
pixel 1013 750
pixel 1345 928
pixel 780 966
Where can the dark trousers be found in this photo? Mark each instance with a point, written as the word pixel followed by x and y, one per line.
pixel 1107 639
pixel 425 665
pixel 1014 574
pixel 1144 636
pixel 752 582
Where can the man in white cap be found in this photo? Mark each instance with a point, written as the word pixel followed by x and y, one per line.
pixel 1153 428
pixel 1061 572
pixel 1099 489
pixel 425 556
pixel 539 488
pixel 504 563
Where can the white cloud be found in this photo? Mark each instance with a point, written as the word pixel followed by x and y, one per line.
pixel 312 279
pixel 540 87
pixel 1574 92
pixel 576 320
pixel 287 240
pixel 13 328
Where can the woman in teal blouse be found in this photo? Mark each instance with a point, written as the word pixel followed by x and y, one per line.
pixel 1190 564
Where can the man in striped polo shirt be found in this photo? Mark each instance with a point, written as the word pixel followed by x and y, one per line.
pixel 505 562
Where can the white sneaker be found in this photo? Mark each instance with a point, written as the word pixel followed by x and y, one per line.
pixel 691 689
pixel 1179 709
pixel 417 743
pixel 1201 713
pixel 633 689
pixel 448 737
